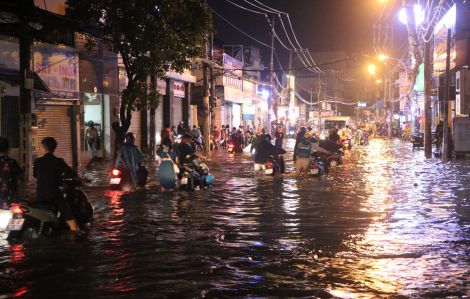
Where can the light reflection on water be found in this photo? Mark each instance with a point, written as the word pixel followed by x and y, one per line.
pixel 388 223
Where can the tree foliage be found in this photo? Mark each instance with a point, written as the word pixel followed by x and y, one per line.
pixel 152 38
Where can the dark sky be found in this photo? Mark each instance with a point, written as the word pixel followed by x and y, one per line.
pixel 320 25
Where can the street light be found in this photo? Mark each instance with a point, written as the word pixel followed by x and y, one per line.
pixel 371 69
pixel 378 81
pixel 419 15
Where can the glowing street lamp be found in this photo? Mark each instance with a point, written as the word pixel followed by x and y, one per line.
pixel 371 68
pixel 383 57
pixel 378 81
pixel 419 15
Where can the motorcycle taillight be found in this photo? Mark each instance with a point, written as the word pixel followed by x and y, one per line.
pixel 268 163
pixel 313 165
pixel 116 172
pixel 17 209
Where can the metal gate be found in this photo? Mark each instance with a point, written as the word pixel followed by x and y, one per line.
pixel 10 120
pixel 56 121
pixel 135 127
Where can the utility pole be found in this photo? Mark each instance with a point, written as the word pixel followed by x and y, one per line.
pixel 206 95
pixel 427 96
pixel 213 98
pixel 26 97
pixel 289 90
pixel 446 153
pixel 271 77
pixel 320 102
pixel 389 107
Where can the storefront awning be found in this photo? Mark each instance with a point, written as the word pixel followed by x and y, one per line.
pixel 12 77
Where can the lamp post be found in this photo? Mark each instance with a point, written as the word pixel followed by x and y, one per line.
pixel 388 116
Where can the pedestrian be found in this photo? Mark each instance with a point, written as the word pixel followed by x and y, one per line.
pixel 91 135
pixel 10 175
pixel 298 140
pixel 223 137
pixel 439 135
pixel 357 140
pixel 303 157
pixel 166 172
pixel 279 137
pixel 258 129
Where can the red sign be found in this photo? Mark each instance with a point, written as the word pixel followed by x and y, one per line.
pixel 178 88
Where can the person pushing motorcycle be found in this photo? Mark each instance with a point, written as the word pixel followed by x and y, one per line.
pixel 10 175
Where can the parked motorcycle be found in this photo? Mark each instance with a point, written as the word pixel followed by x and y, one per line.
pixel 417 140
pixel 274 166
pixel 121 177
pixel 194 174
pixel 33 219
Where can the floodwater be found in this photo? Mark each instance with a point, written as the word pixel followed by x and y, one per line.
pixel 386 224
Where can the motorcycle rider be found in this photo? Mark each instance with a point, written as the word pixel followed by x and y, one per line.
pixel 183 149
pixel 279 137
pixel 263 150
pixel 48 171
pixel 181 129
pixel 215 136
pixel 130 158
pixel 10 175
pixel 196 134
pixel 237 138
pixel 334 135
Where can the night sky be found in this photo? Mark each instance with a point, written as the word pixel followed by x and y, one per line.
pixel 320 25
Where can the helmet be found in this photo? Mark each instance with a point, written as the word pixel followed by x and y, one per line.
pixel 130 137
pixel 267 137
pixel 4 145
pixel 303 129
pixel 209 180
pixel 308 135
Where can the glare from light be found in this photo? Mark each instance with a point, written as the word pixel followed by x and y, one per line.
pixel 419 15
pixel 371 68
pixel 382 57
pixel 372 73
pixel 378 81
pixel 265 94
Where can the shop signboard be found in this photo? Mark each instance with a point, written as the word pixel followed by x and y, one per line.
pixel 248 112
pixel 440 41
pixel 293 112
pixel 328 113
pixel 406 80
pixel 179 89
pixel 57 66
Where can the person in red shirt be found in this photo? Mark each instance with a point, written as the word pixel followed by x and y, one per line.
pixel 166 133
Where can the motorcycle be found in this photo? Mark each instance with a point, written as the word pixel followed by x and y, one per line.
pixel 33 219
pixel 196 145
pixel 194 175
pixel 335 159
pixel 417 140
pixel 121 177
pixel 274 166
pixel 320 159
pixel 347 143
pixel 231 146
pixel 316 168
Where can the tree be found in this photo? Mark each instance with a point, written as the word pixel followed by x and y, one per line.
pixel 152 38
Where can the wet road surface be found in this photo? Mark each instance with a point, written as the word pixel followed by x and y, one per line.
pixel 386 224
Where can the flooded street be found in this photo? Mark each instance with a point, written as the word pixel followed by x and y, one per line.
pixel 386 224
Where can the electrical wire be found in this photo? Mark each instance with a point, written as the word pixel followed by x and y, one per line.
pixel 238 28
pixel 242 7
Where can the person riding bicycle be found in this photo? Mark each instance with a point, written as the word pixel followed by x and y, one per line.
pixel 10 175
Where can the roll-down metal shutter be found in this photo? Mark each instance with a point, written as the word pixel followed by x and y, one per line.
pixel 135 128
pixel 55 121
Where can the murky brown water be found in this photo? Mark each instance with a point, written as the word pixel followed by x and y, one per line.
pixel 387 224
